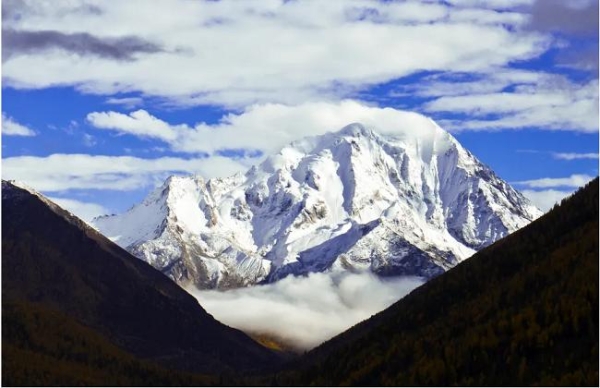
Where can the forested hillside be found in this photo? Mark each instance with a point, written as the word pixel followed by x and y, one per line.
pixel 523 311
pixel 77 309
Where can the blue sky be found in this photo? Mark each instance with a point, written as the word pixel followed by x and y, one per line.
pixel 102 100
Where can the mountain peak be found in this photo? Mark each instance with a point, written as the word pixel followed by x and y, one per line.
pixel 356 129
pixel 405 200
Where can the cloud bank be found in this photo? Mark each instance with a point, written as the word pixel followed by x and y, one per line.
pixel 245 52
pixel 306 311
pixel 465 56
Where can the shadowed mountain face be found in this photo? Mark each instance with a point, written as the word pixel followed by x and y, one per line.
pixel 523 311
pixel 55 264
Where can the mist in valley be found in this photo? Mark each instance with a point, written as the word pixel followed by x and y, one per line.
pixel 302 312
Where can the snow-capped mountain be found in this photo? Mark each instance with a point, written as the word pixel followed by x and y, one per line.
pixel 415 203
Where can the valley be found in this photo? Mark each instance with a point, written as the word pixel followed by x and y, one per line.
pixel 300 193
pixel 519 302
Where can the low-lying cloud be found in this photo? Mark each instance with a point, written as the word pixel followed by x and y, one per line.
pixel 306 311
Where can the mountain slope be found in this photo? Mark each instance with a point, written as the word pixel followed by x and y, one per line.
pixel 43 347
pixel 413 203
pixel 53 261
pixel 523 311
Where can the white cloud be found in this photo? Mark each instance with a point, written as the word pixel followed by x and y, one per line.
pixel 84 210
pixel 555 107
pixel 505 99
pixel 492 4
pixel 239 53
pixel 484 16
pixel 493 80
pixel 138 123
pixel 305 311
pixel 484 104
pixel 127 102
pixel 269 127
pixel 61 172
pixel 545 199
pixel 11 128
pixel 575 180
pixel 574 155
pixel 545 192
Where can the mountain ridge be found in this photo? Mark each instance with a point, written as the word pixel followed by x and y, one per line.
pixel 521 312
pixel 52 259
pixel 415 203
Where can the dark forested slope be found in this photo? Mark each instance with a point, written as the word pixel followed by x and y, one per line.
pixel 55 268
pixel 523 311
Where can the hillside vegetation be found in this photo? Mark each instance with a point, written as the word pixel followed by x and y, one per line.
pixel 77 309
pixel 523 311
pixel 43 347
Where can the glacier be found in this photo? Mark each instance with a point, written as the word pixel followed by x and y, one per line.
pixel 411 203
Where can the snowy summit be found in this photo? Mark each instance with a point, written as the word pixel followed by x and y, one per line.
pixel 411 203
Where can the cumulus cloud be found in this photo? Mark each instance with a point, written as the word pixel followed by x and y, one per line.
pixel 305 311
pixel 11 128
pixel 59 172
pixel 84 210
pixel 239 53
